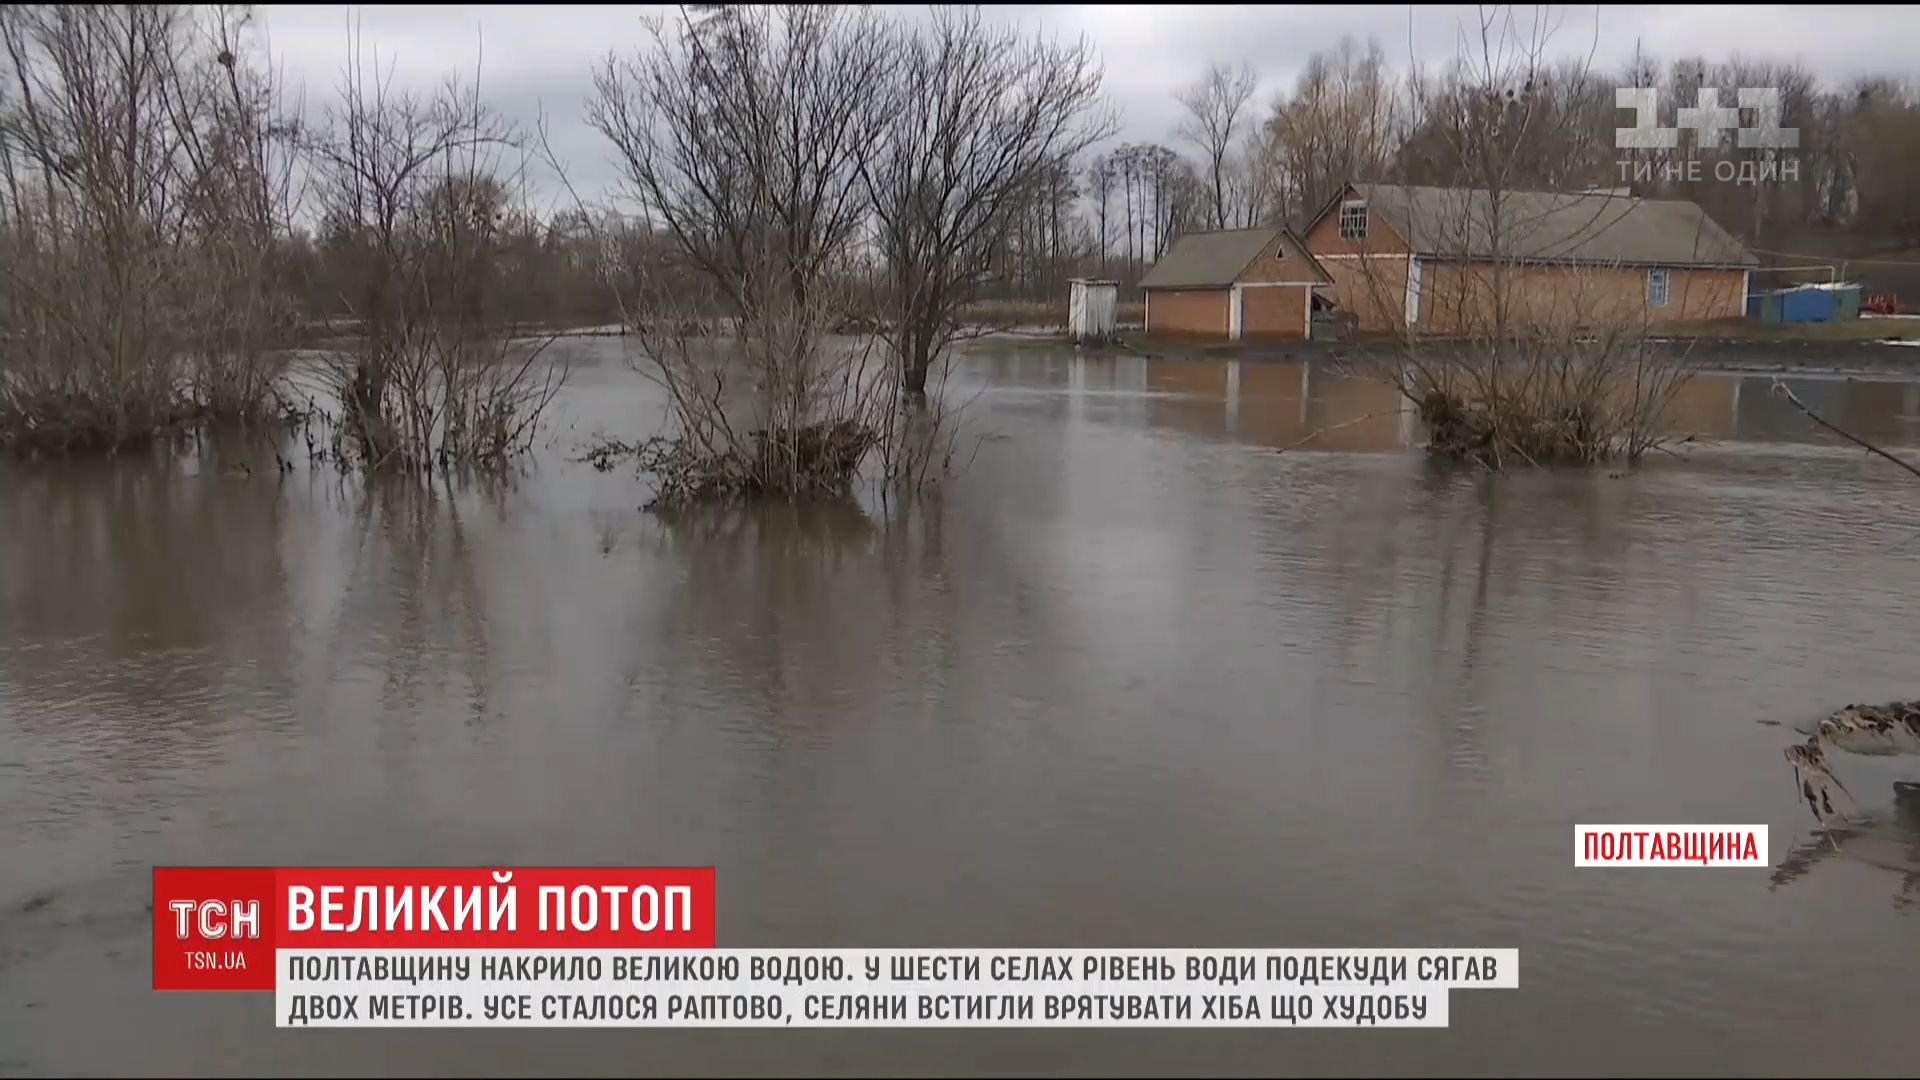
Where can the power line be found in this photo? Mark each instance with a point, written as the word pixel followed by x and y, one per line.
pixel 1832 259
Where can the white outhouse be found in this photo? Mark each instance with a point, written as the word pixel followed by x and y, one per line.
pixel 1091 309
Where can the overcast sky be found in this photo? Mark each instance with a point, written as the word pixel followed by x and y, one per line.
pixel 539 59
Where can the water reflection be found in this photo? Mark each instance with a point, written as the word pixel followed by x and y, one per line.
pixel 1277 403
pixel 755 613
pixel 1887 841
pixel 144 598
pixel 1130 679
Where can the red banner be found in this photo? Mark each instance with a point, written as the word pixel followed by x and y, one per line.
pixel 216 928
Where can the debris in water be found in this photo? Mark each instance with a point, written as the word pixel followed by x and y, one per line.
pixel 1856 729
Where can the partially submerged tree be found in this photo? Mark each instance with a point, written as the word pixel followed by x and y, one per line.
pixel 739 133
pixel 146 200
pixel 414 190
pixel 1517 342
pixel 975 115
pixel 240 209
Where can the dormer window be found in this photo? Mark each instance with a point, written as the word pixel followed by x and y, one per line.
pixel 1353 220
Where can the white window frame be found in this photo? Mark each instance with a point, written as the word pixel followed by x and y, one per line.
pixel 1661 296
pixel 1353 232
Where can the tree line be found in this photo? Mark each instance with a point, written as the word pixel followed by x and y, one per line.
pixel 1351 114
pixel 1238 160
pixel 169 223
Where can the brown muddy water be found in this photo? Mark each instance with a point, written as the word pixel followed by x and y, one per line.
pixel 1130 679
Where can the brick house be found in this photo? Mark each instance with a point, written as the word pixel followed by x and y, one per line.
pixel 1424 257
pixel 1391 256
pixel 1233 284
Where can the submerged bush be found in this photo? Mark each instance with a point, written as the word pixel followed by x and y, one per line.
pixel 132 269
pixel 419 204
pixel 747 136
pixel 1570 400
pixel 817 459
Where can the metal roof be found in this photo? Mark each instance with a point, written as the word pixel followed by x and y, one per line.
pixel 1600 227
pixel 1204 260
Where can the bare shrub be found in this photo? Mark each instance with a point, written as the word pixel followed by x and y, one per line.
pixel 843 186
pixel 240 209
pixel 1514 344
pixel 1528 363
pixel 146 190
pixel 417 193
pixel 768 404
pixel 739 131
pixel 1576 379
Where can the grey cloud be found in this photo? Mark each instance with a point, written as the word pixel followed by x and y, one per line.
pixel 540 59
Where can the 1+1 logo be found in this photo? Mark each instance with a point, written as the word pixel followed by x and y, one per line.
pixel 1708 118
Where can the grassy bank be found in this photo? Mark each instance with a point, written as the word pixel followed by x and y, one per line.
pixel 1039 313
pixel 1808 354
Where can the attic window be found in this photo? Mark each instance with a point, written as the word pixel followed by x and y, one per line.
pixel 1353 221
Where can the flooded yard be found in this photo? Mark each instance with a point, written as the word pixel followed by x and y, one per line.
pixel 1131 678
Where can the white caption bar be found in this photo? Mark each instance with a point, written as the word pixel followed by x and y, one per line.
pixel 882 987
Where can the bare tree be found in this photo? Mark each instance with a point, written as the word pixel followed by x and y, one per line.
pixel 1251 180
pixel 413 192
pixel 1100 178
pixel 243 156
pixel 1493 125
pixel 978 114
pixel 1555 136
pixel 1879 130
pixel 1180 199
pixel 146 194
pixel 1215 105
pixel 1520 354
pixel 740 132
pixel 1340 123
pixel 741 129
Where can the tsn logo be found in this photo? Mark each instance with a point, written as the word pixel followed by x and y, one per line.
pixel 212 920
pixel 215 919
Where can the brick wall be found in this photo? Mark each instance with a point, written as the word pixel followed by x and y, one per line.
pixel 1273 311
pixel 1372 289
pixel 1324 238
pixel 1370 282
pixel 1458 298
pixel 1279 261
pixel 1187 312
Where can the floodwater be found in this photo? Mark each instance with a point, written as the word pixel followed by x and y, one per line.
pixel 1132 678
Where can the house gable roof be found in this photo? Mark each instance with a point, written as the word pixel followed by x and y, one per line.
pixel 1596 227
pixel 1213 260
